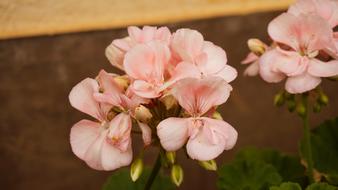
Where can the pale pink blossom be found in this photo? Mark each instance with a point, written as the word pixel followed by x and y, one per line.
pixel 206 138
pixel 104 144
pixel 146 65
pixel 305 36
pixel 253 61
pixel 116 50
pixel 327 9
pixel 198 58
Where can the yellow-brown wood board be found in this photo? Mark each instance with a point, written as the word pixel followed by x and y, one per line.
pixel 21 18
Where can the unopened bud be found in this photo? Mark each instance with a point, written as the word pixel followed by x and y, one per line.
pixel 256 46
pixel 217 115
pixel 177 175
pixel 323 99
pixel 209 165
pixel 171 156
pixel 301 109
pixel 291 105
pixel 136 169
pixel 143 114
pixel 169 101
pixel 122 81
pixel 279 99
pixel 317 107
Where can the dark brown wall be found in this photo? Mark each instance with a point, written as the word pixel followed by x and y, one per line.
pixel 36 75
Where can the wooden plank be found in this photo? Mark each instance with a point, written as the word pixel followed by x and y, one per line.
pixel 20 18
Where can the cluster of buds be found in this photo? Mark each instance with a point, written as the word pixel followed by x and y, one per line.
pixel 172 86
pixel 304 48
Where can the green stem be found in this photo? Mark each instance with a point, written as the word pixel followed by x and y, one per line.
pixel 307 139
pixel 153 173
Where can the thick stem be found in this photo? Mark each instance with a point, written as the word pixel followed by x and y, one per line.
pixel 308 154
pixel 153 173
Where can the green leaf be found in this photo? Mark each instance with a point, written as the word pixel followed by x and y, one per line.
pixel 121 180
pixel 289 167
pixel 287 186
pixel 321 186
pixel 324 145
pixel 248 175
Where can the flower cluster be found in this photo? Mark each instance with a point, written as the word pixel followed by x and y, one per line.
pixel 172 86
pixel 304 47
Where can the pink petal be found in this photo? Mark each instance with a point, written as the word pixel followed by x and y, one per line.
pixel 323 69
pixel 302 83
pixel 135 33
pixel 147 62
pixel 303 31
pixel 119 131
pixel 107 83
pixel 185 70
pixel 173 133
pixel 289 62
pixel 187 44
pixel 146 133
pixel 124 44
pixel 112 158
pixel 145 89
pixel 163 34
pixel 149 33
pixel 327 9
pixel 215 137
pixel 197 96
pixel 250 58
pixel 89 142
pixel 81 97
pixel 115 56
pixel 82 135
pixel 267 64
pixel 252 69
pixel 214 60
pixel 102 155
pixel 228 73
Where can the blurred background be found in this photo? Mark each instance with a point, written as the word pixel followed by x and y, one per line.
pixel 48 46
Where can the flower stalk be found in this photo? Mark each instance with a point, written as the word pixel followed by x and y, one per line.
pixel 154 173
pixel 307 139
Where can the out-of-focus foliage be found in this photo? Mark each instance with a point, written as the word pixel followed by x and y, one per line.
pixel 324 145
pixel 121 180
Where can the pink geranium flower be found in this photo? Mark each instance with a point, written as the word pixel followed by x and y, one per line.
pixel 304 36
pixel 116 50
pixel 327 9
pixel 146 65
pixel 206 138
pixel 104 144
pixel 198 58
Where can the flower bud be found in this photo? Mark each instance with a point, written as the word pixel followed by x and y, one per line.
pixel 279 99
pixel 169 101
pixel 177 175
pixel 122 81
pixel 301 109
pixel 291 105
pixel 136 169
pixel 209 165
pixel 256 46
pixel 171 156
pixel 323 99
pixel 143 114
pixel 217 115
pixel 317 107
